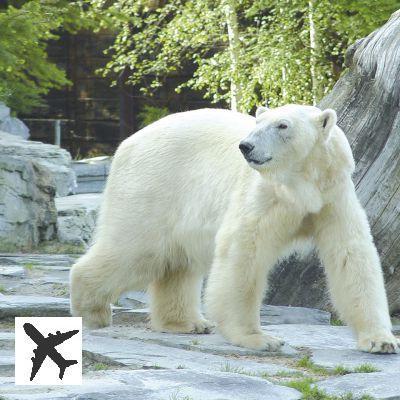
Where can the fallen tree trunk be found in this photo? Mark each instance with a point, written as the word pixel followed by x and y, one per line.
pixel 367 101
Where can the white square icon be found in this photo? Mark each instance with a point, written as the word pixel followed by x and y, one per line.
pixel 48 351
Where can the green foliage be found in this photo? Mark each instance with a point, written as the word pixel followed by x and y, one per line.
pixel 341 370
pixel 100 366
pixel 309 365
pixel 366 368
pixel 310 392
pixel 287 374
pixel 276 60
pixel 26 74
pixel 150 114
pixel 336 322
pixel 313 368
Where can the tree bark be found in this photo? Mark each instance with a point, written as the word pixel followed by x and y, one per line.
pixel 313 46
pixel 367 101
pixel 234 50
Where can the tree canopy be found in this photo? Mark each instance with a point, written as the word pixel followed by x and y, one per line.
pixel 239 52
pixel 242 52
pixel 26 74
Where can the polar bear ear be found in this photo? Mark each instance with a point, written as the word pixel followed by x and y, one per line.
pixel 326 121
pixel 260 110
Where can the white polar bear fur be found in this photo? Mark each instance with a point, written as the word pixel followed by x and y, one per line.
pixel 181 199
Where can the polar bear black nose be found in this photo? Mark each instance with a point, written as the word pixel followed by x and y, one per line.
pixel 246 147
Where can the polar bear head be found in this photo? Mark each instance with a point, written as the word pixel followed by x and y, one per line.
pixel 284 137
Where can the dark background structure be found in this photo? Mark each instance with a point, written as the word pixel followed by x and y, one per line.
pixel 95 117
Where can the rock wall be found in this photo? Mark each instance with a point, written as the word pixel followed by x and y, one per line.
pixel 11 124
pixel 367 101
pixel 56 160
pixel 27 210
pixel 31 174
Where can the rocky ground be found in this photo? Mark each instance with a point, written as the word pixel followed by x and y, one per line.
pixel 128 361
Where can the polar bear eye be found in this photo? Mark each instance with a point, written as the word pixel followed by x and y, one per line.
pixel 282 125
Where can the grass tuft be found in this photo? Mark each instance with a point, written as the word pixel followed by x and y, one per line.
pixel 100 366
pixel 341 370
pixel 366 369
pixel 337 322
pixel 310 392
pixel 308 364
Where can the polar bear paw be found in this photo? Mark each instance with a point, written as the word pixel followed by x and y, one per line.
pixel 259 341
pixel 201 326
pixel 384 343
pixel 95 319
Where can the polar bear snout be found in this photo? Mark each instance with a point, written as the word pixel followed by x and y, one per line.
pixel 246 147
pixel 251 156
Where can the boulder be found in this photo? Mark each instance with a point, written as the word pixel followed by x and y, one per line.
pixel 77 217
pixel 27 211
pixel 91 174
pixel 11 124
pixel 57 161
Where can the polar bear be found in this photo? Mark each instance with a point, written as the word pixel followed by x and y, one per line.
pixel 218 192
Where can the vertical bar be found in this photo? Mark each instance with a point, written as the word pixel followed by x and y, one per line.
pixel 57 132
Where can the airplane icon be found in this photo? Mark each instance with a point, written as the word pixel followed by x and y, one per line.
pixel 46 347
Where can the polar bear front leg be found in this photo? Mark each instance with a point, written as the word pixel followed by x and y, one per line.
pixel 354 272
pixel 175 303
pixel 235 289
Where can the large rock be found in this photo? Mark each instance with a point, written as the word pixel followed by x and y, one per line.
pixel 213 343
pixel 378 386
pixel 367 101
pixel 155 385
pixel 27 211
pixel 332 346
pixel 77 217
pixel 12 125
pixel 56 160
pixel 91 174
pixel 33 306
pixel 138 353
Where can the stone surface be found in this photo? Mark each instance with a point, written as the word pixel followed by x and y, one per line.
pixel 39 261
pixel 27 210
pixel 56 160
pixel 32 306
pixel 77 217
pixel 12 271
pixel 131 316
pixel 31 174
pixel 143 353
pixel 331 346
pixel 4 111
pixel 91 174
pixel 35 275
pixel 12 125
pixel 134 300
pixel 377 385
pixel 7 362
pixel 213 343
pixel 127 360
pixel 269 314
pixel 293 315
pixel 156 385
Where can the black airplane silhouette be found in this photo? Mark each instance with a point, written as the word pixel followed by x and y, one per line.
pixel 46 347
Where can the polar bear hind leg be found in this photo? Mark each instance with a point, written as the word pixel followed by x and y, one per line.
pixel 100 277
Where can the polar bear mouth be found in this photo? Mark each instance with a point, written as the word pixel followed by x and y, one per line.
pixel 258 162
